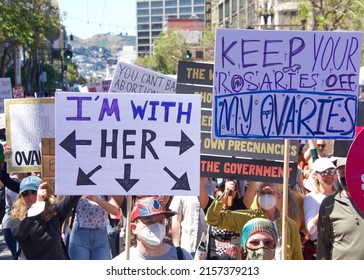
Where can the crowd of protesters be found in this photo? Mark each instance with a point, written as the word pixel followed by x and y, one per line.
pixel 229 220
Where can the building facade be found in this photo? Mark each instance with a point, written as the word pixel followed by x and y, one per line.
pixel 152 17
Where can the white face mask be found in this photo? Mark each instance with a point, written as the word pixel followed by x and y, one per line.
pixel 267 201
pixel 153 234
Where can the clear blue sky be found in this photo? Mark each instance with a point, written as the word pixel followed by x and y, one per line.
pixel 86 18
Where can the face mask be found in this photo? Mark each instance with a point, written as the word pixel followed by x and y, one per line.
pixel 267 201
pixel 260 254
pixel 153 234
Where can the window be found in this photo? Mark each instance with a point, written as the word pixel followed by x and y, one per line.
pixel 184 2
pixel 185 10
pixel 199 54
pixel 143 12
pixel 170 11
pixel 155 4
pixel 143 34
pixel 171 3
pixel 143 5
pixel 143 26
pixel 143 19
pixel 143 41
pixel 199 9
pixel 157 11
pixel 157 18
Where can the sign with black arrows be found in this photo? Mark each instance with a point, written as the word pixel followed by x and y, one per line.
pixel 127 144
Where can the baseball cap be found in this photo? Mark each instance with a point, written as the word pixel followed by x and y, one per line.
pixel 321 164
pixel 149 206
pixel 341 161
pixel 257 225
pixel 30 183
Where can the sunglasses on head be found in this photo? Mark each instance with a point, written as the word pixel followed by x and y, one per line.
pixel 27 192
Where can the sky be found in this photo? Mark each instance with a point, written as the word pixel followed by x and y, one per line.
pixel 86 18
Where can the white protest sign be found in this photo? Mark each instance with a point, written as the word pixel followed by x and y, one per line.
pixel 5 92
pixel 286 84
pixel 135 79
pixel 27 121
pixel 135 144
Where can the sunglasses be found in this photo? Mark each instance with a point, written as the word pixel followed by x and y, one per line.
pixel 327 172
pixel 255 244
pixel 28 192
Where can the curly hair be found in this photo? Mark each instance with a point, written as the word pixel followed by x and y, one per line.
pixel 20 208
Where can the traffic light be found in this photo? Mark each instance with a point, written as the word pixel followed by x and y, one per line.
pixel 67 55
pixel 188 54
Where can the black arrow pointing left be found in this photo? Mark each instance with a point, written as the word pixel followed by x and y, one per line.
pixel 181 183
pixel 83 179
pixel 183 145
pixel 70 143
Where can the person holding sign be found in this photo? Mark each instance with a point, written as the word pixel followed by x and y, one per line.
pixel 149 219
pixel 340 223
pixel 268 195
pixel 36 220
pixel 258 240
pixel 323 174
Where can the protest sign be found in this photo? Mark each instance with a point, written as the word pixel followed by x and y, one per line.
pixel 27 121
pixel 5 92
pixel 286 84
pixel 135 79
pixel 355 170
pixel 127 144
pixel 197 78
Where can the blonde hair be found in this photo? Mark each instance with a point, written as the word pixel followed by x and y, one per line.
pixel 20 208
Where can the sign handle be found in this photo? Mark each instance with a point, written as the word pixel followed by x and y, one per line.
pixel 285 199
pixel 127 229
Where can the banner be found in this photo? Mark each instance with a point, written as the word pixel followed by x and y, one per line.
pixel 27 121
pixel 286 84
pixel 5 92
pixel 135 79
pixel 127 144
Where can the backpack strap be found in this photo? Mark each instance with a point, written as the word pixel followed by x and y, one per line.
pixel 180 253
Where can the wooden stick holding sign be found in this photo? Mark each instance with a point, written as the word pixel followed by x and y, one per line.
pixel 127 227
pixel 285 199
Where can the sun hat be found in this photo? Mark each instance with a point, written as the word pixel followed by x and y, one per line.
pixel 321 164
pixel 257 225
pixel 30 183
pixel 149 206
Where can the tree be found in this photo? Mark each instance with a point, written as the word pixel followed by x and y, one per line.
pixel 25 23
pixel 332 15
pixel 169 48
pixel 208 44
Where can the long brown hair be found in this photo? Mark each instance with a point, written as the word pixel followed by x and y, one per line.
pixel 20 208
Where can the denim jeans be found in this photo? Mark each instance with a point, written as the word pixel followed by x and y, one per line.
pixel 89 244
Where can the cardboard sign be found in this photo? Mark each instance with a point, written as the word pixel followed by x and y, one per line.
pixel 355 170
pixel 135 144
pixel 27 121
pixel 5 92
pixel 286 84
pixel 134 79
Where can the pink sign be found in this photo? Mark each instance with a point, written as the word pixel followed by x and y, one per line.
pixel 355 170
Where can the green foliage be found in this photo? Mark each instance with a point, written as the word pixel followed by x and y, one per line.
pixel 25 23
pixel 169 48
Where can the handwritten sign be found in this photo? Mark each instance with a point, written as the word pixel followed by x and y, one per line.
pixel 134 79
pixel 197 78
pixel 135 144
pixel 286 84
pixel 27 121
pixel 5 92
